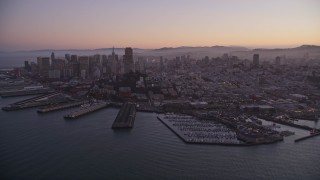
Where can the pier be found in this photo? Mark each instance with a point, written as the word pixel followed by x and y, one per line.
pixel 60 106
pixel 86 110
pixel 25 92
pixel 42 100
pixel 286 123
pixel 125 117
pixel 307 137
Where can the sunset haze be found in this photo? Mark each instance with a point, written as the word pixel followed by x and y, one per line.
pixel 42 24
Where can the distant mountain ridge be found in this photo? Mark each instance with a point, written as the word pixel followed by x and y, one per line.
pixel 171 48
pixel 312 51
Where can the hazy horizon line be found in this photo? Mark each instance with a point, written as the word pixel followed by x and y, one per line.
pixel 186 46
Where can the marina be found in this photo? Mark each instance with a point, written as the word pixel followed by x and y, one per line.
pixel 191 130
pixel 126 116
pixel 86 109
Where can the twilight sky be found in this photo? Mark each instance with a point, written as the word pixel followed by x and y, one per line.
pixel 60 24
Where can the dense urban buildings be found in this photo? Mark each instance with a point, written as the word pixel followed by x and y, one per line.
pixel 227 90
pixel 204 87
pixel 221 100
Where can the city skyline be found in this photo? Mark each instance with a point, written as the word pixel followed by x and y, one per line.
pixel 72 24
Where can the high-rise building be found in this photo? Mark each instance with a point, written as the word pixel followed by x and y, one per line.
pixel 142 65
pixel 95 64
pixel 52 56
pixel 128 60
pixel 105 65
pixel 161 63
pixel 43 66
pixel 277 61
pixel 75 65
pixel 74 58
pixel 34 68
pixel 256 60
pixel 67 57
pixel 58 66
pixel 84 66
pixel 113 60
pixel 27 66
pixel 68 70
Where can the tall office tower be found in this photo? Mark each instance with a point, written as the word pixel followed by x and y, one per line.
pixel 113 59
pixel 75 65
pixel 104 64
pixel 34 68
pixel 52 56
pixel 84 66
pixel 58 66
pixel 95 65
pixel 256 60
pixel 27 66
pixel 142 65
pixel 137 66
pixel 43 66
pixel 67 57
pixel 161 64
pixel 277 61
pixel 128 60
pixel 74 58
pixel 68 70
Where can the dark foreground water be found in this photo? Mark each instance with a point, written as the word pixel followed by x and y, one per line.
pixel 45 146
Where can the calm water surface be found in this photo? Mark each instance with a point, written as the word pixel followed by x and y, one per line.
pixel 45 146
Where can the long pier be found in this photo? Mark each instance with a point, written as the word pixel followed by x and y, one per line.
pixel 25 92
pixel 125 117
pixel 86 110
pixel 307 137
pixel 41 100
pixel 60 106
pixel 286 123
